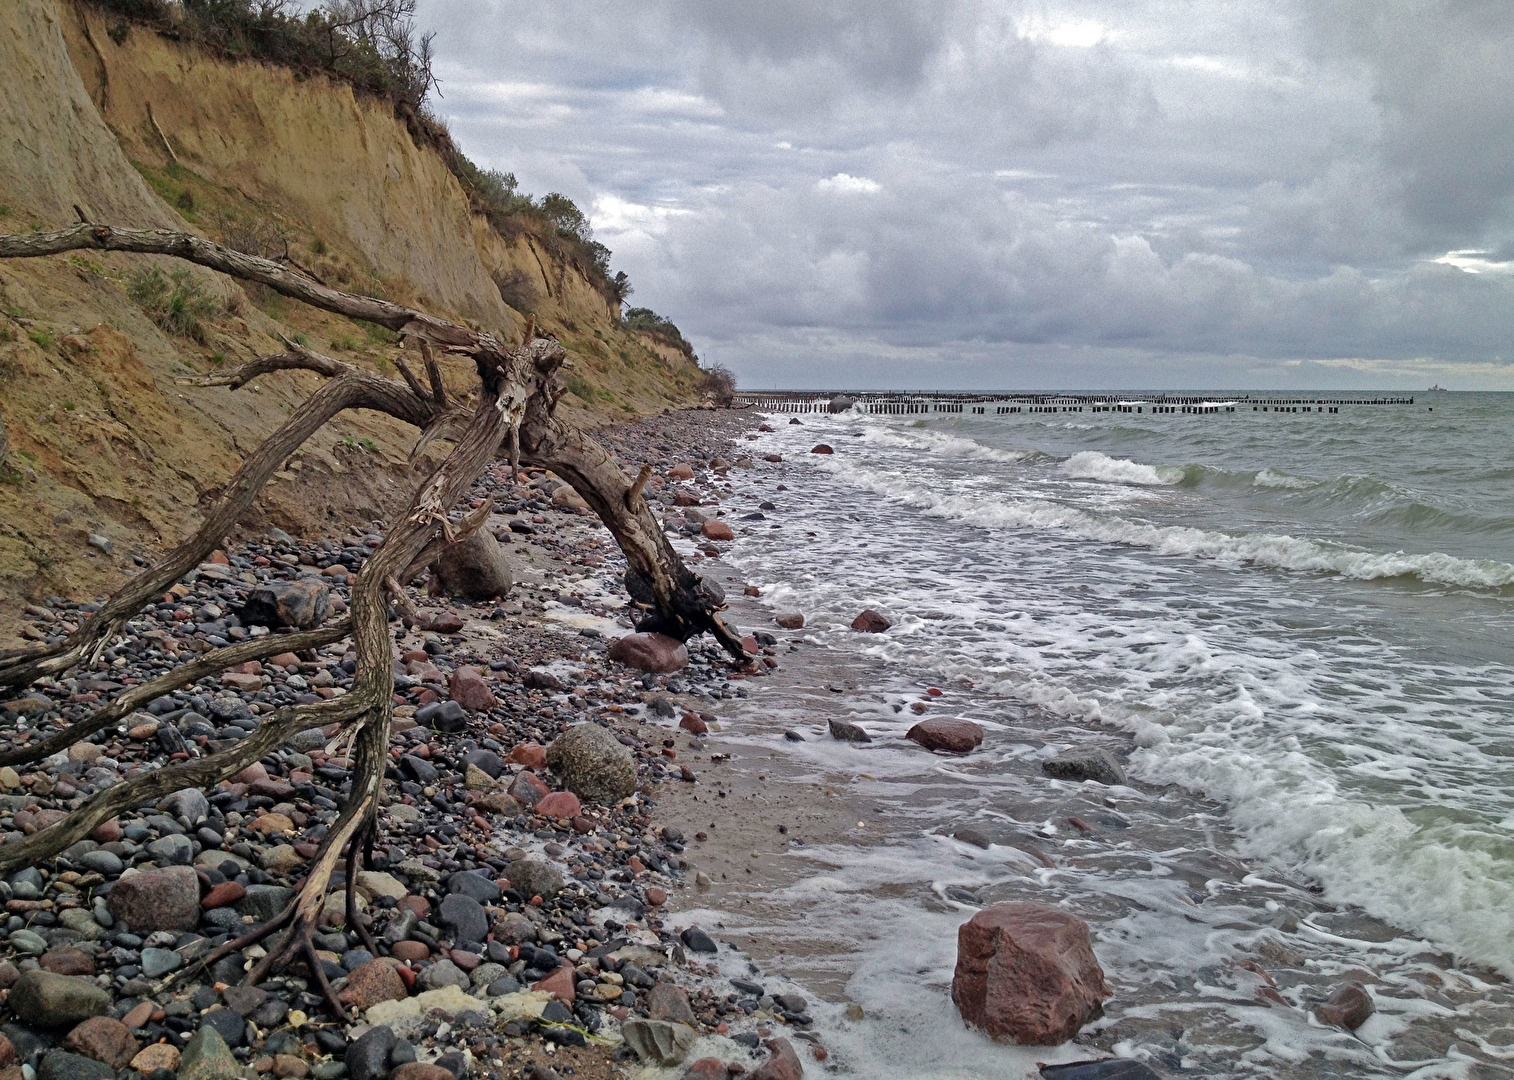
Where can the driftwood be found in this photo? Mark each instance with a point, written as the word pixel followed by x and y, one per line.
pixel 512 409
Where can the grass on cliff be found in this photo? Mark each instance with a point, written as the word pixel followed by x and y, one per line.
pixel 175 301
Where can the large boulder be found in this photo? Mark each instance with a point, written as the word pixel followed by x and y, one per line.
pixel 165 899
pixel 870 622
pixel 782 1062
pixel 945 733
pixel 1026 974
pixel 534 877
pixel 301 604
pixel 207 1057
pixel 103 1039
pixel 841 403
pixel 593 764
pixel 1078 765
pixel 656 653
pixel 43 999
pixel 470 690
pixel 658 1041
pixel 474 567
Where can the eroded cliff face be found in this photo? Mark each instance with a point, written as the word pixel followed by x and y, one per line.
pixel 140 130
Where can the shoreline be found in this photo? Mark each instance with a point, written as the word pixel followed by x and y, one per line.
pixel 837 872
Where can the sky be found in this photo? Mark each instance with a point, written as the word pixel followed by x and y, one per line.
pixel 964 194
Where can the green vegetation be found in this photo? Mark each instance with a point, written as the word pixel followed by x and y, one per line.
pixel 344 343
pixel 174 301
pixel 647 321
pixel 42 338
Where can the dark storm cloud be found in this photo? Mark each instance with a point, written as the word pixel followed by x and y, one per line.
pixel 976 193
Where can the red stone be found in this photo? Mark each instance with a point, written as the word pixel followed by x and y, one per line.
pixel 656 653
pixel 1026 974
pixel 470 690
pixel 559 804
pixel 693 724
pixel 582 825
pixel 821 448
pixel 530 754
pixel 420 655
pixel 228 892
pixel 140 1014
pixel 656 897
pixel 790 620
pixel 106 1040
pixel 420 1070
pixel 107 832
pixel 560 985
pixel 944 733
pixel 749 644
pixel 706 1069
pixel 418 904
pixel 782 1063
pixel 1348 1007
pixel 464 959
pixel 529 789
pixel 406 974
pixel 67 961
pixel 410 950
pixel 373 982
pixel 716 530
pixel 870 622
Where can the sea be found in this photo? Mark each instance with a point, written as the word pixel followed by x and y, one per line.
pixel 1296 629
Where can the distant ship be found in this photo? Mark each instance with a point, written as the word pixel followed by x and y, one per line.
pixel 1438 389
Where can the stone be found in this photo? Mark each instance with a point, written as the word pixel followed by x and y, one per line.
pixel 474 567
pixel 378 883
pixel 61 1065
pixel 534 877
pixel 420 1070
pixel 668 1002
pixel 559 804
pixel 173 850
pixel 444 973
pixel 470 690
pixel 870 622
pixel 696 940
pixel 371 983
pixel 164 899
pixel 281 858
pixel 410 951
pixel 443 716
pixel 367 1058
pixel 187 803
pixel 566 498
pixel 1078 765
pixel 486 761
pixel 1026 974
pixel 822 448
pixel 156 1056
pixel 694 724
pixel 300 604
pixel 528 788
pixel 657 653
pixel 1348 1007
pixel 716 530
pixel 531 755
pixel 227 1024
pixel 513 928
pixel 227 892
pixel 477 885
pixel 841 403
pixel 102 862
pixel 67 961
pixel 43 999
pixel 789 620
pixel 846 731
pixel 660 1042
pixel 105 1040
pixel 466 918
pixel 244 1000
pixel 289 1067
pixel 1105 1069
pixel 560 984
pixel 593 764
pixel 157 962
pixel 946 733
pixel 207 1057
pixel 263 902
pixel 782 1063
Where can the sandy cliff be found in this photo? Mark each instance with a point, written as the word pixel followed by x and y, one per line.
pixel 141 130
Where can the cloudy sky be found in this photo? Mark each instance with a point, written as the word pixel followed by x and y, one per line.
pixel 997 194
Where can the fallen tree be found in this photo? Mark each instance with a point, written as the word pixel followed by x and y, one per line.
pixel 513 411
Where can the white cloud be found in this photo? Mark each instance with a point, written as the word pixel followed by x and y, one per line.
pixel 848 184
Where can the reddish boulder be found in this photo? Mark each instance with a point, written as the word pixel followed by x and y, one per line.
pixel 1026 974
pixel 410 951
pixel 789 620
pixel 301 604
pixel 559 984
pixel 533 755
pixel 470 690
pixel 707 1069
pixel 716 530
pixel 373 982
pixel 103 1039
pixel 944 733
pixel 227 892
pixel 694 724
pixel 656 653
pixel 1347 1008
pixel 67 960
pixel 821 448
pixel 870 622
pixel 782 1063
pixel 682 471
pixel 166 899
pixel 559 804
pixel 529 789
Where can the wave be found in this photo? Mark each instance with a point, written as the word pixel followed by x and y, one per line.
pixel 1270 478
pixel 1271 550
pixel 1092 465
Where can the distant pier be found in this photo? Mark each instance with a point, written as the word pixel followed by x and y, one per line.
pixel 901 403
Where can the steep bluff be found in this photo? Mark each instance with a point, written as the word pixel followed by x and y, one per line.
pixel 138 129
